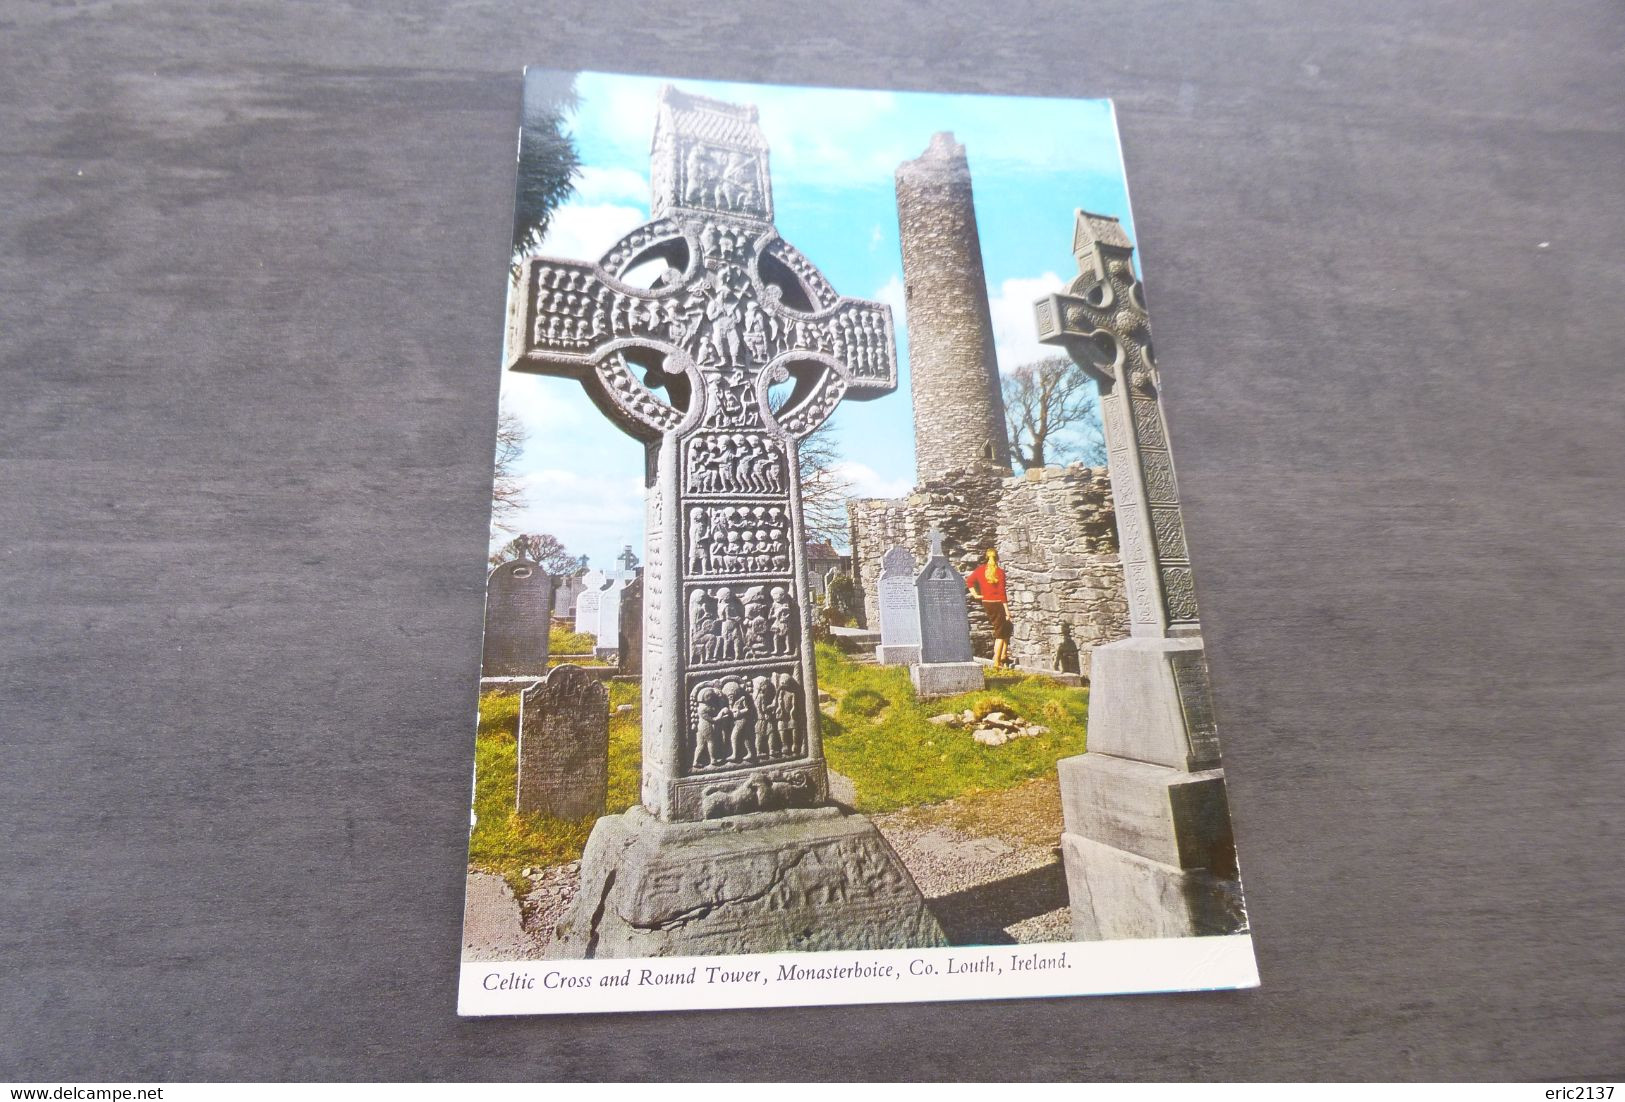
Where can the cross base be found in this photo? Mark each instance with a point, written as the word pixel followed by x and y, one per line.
pixel 816 879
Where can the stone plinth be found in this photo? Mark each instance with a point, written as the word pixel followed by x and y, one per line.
pixel 946 678
pixel 780 881
pixel 1149 701
pixel 897 656
pixel 1116 893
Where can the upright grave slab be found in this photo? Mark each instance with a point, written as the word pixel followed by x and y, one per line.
pixel 608 633
pixel 629 641
pixel 946 664
pixel 736 847
pixel 565 591
pixel 564 745
pixel 518 610
pixel 1147 843
pixel 589 602
pixel 899 605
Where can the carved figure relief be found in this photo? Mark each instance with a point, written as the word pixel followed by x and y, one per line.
pixel 758 792
pixel 738 539
pixel 743 719
pixel 741 463
pixel 730 624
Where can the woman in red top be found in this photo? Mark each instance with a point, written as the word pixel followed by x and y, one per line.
pixel 987 582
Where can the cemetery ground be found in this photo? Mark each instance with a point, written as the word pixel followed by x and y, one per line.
pixel 977 825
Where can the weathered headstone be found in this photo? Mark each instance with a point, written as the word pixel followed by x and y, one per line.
pixel 899 609
pixel 565 591
pixel 730 716
pixel 630 637
pixel 518 608
pixel 564 745
pixel 1147 842
pixel 946 664
pixel 589 603
pixel 609 617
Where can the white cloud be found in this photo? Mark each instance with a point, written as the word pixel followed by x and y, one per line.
pixel 585 231
pixel 892 294
pixel 865 481
pixel 1015 336
pixel 592 514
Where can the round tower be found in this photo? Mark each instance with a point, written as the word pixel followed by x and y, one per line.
pixel 958 407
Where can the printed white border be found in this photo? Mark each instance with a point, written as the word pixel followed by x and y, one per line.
pixel 1036 970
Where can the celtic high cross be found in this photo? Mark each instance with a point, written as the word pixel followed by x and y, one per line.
pixel 1101 321
pixel 690 362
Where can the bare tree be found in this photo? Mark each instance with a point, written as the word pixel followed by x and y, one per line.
pixel 507 492
pixel 539 547
pixel 1053 415
pixel 824 490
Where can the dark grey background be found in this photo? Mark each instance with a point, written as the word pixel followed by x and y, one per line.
pixel 251 279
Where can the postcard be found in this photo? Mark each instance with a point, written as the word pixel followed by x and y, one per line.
pixel 841 638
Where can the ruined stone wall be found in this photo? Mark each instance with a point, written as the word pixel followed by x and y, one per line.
pixel 964 504
pixel 1057 539
pixel 1054 529
pixel 958 407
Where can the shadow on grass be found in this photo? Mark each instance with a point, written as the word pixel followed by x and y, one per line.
pixel 979 915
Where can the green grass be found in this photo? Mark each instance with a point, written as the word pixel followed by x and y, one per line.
pixel 560 641
pixel 875 732
pixel 880 737
pixel 506 842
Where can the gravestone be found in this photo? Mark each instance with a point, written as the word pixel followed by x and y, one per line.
pixel 736 846
pixel 589 602
pixel 946 664
pixel 608 632
pixel 899 604
pixel 564 745
pixel 1147 844
pixel 630 637
pixel 629 563
pixel 518 610
pixel 565 591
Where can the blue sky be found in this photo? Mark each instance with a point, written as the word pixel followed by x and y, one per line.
pixel 833 155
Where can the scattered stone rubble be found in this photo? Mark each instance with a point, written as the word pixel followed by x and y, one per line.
pixel 993 729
